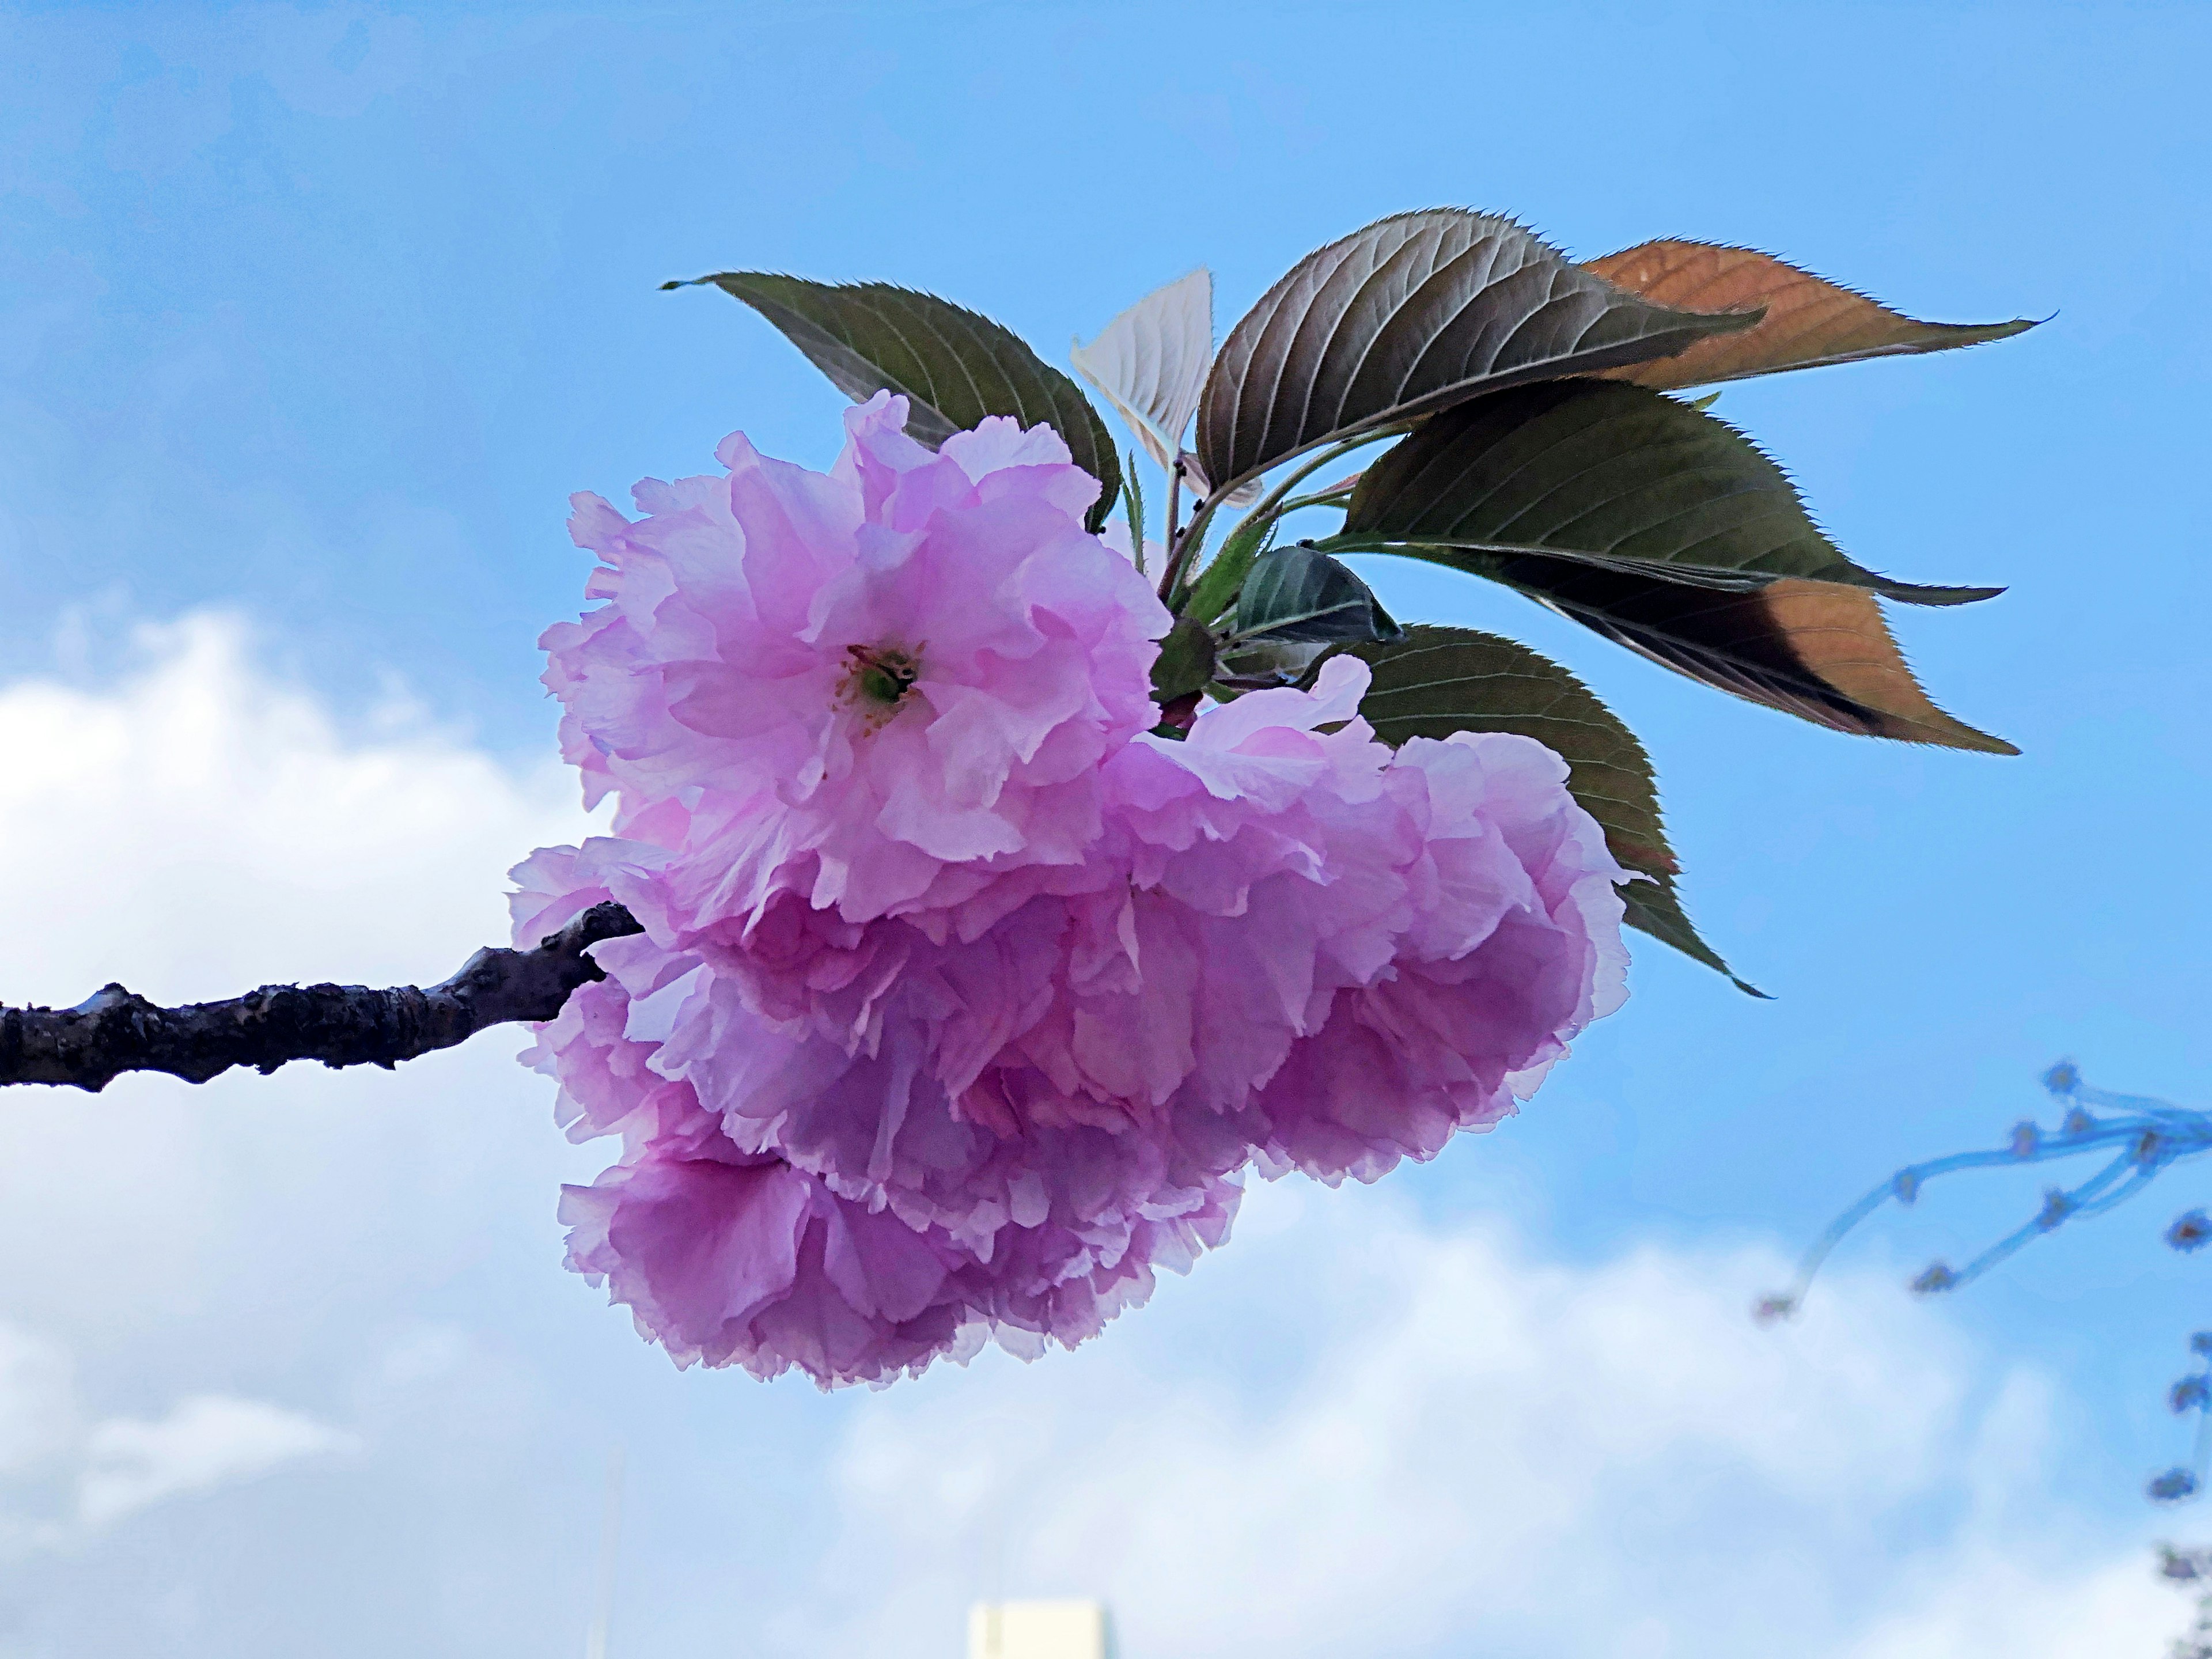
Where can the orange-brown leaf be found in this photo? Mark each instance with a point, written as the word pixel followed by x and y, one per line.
pixel 1817 650
pixel 1809 321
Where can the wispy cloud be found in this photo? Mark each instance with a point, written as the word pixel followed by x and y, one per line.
pixel 64 1477
pixel 206 1442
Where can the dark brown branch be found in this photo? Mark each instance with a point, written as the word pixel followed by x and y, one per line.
pixel 116 1030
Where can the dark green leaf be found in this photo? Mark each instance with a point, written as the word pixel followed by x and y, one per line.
pixel 1441 680
pixel 1808 321
pixel 1606 475
pixel 952 365
pixel 1295 594
pixel 1186 661
pixel 1654 907
pixel 1411 315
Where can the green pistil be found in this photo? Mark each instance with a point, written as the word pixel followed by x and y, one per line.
pixel 881 675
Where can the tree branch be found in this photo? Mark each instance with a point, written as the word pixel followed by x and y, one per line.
pixel 115 1031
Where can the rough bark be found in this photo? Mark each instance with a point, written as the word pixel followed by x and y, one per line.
pixel 116 1030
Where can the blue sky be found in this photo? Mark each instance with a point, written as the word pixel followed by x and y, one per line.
pixel 309 320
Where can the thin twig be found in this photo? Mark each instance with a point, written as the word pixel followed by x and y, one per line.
pixel 1173 542
pixel 1180 573
pixel 115 1031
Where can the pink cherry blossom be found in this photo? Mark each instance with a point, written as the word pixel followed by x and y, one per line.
pixel 1388 946
pixel 732 1256
pixel 965 1001
pixel 866 686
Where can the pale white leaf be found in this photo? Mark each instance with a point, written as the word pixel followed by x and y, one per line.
pixel 1150 361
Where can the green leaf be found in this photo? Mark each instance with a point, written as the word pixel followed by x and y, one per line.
pixel 1218 585
pixel 1294 594
pixel 1260 664
pixel 1186 662
pixel 1441 680
pixel 953 366
pixel 1808 321
pixel 1132 499
pixel 1410 315
pixel 1606 475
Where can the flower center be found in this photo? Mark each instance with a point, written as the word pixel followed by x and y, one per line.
pixel 879 678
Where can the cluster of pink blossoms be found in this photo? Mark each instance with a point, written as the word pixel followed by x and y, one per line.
pixel 964 1001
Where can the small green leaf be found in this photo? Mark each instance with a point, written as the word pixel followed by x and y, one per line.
pixel 1437 681
pixel 1133 498
pixel 1608 474
pixel 1294 594
pixel 953 366
pixel 1186 662
pixel 1260 665
pixel 1217 587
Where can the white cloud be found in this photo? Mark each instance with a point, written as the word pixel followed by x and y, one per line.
pixel 197 829
pixel 1354 1430
pixel 202 828
pixel 1484 1452
pixel 197 826
pixel 206 1442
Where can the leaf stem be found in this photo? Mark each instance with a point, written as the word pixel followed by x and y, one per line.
pixel 1274 504
pixel 1174 539
pixel 1320 498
